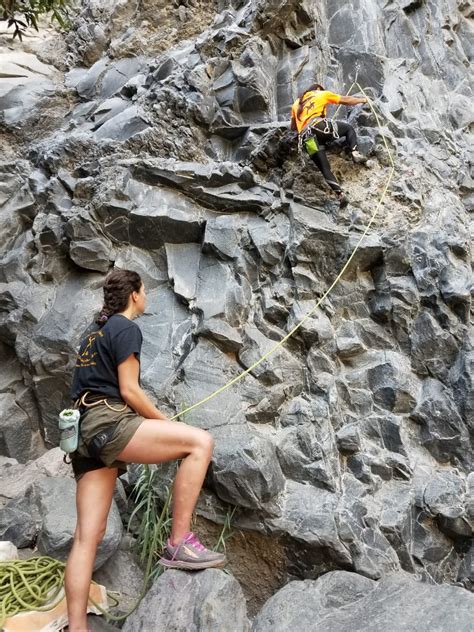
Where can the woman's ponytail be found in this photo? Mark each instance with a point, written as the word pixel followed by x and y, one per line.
pixel 118 286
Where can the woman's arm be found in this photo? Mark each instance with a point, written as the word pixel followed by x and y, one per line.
pixel 352 100
pixel 131 391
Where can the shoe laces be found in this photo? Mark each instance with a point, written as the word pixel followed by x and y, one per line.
pixel 192 539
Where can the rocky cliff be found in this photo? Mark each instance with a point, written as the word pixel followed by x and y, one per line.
pixel 154 136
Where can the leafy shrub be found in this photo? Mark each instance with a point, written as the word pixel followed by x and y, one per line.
pixel 23 14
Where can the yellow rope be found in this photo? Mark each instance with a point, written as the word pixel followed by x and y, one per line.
pixel 281 342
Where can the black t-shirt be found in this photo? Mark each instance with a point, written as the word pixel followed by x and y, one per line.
pixel 100 354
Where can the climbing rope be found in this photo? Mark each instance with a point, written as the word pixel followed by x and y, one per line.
pixel 292 332
pixel 27 584
pixel 34 584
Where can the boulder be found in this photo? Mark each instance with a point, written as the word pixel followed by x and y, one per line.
pixel 345 602
pixel 204 603
pixel 54 500
pixel 121 573
pixel 244 469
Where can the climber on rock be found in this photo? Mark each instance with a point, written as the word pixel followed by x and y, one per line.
pixel 308 117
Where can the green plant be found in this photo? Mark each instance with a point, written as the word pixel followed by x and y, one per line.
pixel 23 14
pixel 154 521
pixel 226 531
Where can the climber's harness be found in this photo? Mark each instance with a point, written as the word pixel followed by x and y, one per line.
pixel 70 424
pixel 307 138
pixel 95 400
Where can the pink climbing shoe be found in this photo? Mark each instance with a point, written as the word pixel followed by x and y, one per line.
pixel 190 554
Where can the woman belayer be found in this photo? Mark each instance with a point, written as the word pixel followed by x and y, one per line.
pixel 308 117
pixel 119 424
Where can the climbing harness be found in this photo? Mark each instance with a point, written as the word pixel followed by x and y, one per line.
pixel 308 139
pixel 82 403
pixel 70 424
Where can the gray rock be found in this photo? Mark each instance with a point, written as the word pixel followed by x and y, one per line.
pixel 204 370
pixel 119 73
pixel 160 216
pixel 396 499
pixel 227 338
pixel 280 366
pixel 131 258
pixel 342 602
pixel 348 439
pixel 24 83
pixel 348 342
pixel 444 498
pixel 88 247
pixel 219 294
pixel 270 238
pixel 123 125
pixel 97 624
pixel 394 386
pixel 122 574
pixel 308 515
pixel 183 267
pixel 316 242
pixel 244 468
pixel 206 599
pixel 443 431
pixel 433 349
pixel 461 377
pixel 298 604
pixel 16 478
pixel 15 429
pixel 305 457
pixel 55 502
pixel 226 188
pixel 223 235
pixel 315 326
pixel 301 411
pixel 17 526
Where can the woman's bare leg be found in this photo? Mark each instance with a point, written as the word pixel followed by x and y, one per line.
pixel 160 441
pixel 93 499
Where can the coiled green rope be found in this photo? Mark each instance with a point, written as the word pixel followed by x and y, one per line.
pixel 29 584
pixel 33 584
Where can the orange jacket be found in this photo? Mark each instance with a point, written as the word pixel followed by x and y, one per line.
pixel 315 102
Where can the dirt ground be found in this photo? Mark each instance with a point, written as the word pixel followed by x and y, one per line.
pixel 255 560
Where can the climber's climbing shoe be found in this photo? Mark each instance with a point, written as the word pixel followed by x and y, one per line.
pixel 357 157
pixel 343 200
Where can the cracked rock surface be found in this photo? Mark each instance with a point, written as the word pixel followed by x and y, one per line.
pixel 158 140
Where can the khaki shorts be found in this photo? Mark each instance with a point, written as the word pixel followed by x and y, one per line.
pixel 125 422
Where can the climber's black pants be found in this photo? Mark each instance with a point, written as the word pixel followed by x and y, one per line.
pixel 320 159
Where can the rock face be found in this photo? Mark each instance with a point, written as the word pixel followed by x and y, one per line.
pixel 44 516
pixel 159 143
pixel 189 602
pixel 346 602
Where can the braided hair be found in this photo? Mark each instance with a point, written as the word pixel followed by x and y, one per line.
pixel 118 286
pixel 302 100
